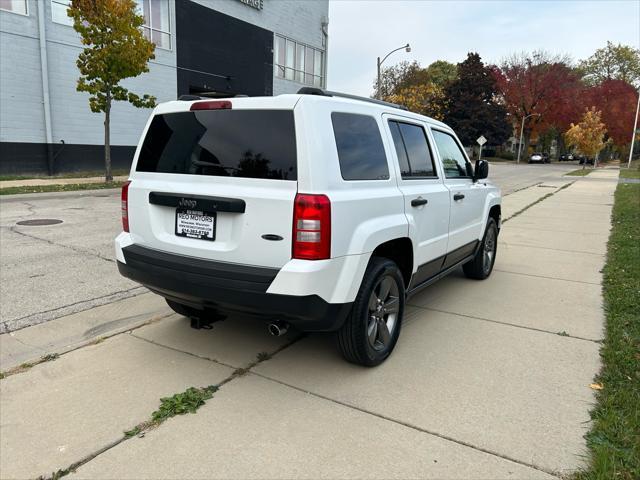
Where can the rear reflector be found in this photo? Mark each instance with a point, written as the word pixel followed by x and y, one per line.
pixel 211 105
pixel 311 227
pixel 125 205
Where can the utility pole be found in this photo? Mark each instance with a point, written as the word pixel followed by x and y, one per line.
pixel 633 135
pixel 407 48
pixel 522 132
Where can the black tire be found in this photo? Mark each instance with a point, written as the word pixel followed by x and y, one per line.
pixel 369 334
pixel 482 264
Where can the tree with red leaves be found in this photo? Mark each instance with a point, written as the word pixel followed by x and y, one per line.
pixel 616 99
pixel 543 85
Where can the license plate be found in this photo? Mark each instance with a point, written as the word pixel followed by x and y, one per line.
pixel 196 224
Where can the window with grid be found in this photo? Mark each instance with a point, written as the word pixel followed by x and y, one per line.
pixel 156 14
pixel 14 6
pixel 298 62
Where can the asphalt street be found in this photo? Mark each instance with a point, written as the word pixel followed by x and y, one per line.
pixel 47 272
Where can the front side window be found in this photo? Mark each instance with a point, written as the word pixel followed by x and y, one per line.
pixel 222 143
pixel 14 6
pixel 298 62
pixel 412 147
pixel 360 149
pixel 453 160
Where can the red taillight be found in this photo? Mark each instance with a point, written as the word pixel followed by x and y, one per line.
pixel 311 227
pixel 211 105
pixel 125 205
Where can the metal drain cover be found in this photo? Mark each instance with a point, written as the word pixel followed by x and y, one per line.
pixel 40 222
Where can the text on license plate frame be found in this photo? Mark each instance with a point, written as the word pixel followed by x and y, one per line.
pixel 197 233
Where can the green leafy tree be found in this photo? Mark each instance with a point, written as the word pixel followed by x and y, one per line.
pixel 399 77
pixel 613 62
pixel 115 49
pixel 471 108
pixel 441 73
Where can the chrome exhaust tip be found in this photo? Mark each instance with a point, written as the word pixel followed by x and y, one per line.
pixel 278 328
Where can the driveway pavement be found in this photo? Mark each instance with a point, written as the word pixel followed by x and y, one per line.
pixel 489 379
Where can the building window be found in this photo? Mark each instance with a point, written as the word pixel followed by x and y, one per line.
pixel 59 12
pixel 298 62
pixel 157 26
pixel 14 6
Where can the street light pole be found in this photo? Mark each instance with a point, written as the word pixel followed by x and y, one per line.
pixel 633 135
pixel 407 47
pixel 522 132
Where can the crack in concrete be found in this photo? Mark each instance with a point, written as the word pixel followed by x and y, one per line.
pixel 411 426
pixel 62 245
pixel 238 372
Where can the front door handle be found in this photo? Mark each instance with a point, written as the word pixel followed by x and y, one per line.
pixel 458 196
pixel 416 202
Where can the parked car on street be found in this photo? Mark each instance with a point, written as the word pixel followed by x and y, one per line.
pixel 585 160
pixel 539 158
pixel 319 210
pixel 566 157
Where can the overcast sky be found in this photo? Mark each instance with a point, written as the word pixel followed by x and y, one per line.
pixel 360 31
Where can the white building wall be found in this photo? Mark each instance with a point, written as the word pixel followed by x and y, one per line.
pixel 21 100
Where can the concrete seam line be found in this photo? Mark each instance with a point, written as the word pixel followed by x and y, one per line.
pixel 80 345
pixel 213 360
pixel 238 372
pixel 555 249
pixel 409 425
pixel 507 324
pixel 544 276
pixel 551 194
pixel 48 315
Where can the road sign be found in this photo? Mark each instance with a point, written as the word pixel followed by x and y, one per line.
pixel 481 140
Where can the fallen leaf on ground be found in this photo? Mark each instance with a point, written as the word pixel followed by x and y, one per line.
pixel 596 386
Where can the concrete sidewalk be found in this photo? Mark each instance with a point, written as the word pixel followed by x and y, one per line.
pixel 37 182
pixel 489 379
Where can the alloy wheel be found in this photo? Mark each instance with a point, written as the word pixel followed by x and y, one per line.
pixel 384 306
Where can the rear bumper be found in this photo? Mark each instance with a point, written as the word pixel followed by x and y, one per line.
pixel 227 287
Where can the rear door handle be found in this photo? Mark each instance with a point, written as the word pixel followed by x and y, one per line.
pixel 416 202
pixel 458 196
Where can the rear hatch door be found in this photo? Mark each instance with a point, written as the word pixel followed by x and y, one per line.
pixel 217 184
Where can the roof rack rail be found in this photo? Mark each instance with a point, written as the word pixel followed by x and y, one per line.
pixel 328 93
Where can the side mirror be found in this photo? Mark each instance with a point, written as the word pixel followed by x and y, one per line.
pixel 481 171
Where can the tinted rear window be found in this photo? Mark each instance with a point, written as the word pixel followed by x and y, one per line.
pixel 360 150
pixel 229 143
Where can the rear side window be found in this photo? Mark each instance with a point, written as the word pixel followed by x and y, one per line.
pixel 412 148
pixel 223 143
pixel 360 150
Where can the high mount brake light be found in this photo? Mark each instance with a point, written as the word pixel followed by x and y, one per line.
pixel 311 227
pixel 125 205
pixel 211 105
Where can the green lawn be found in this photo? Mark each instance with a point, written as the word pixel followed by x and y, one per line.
pixel 59 188
pixel 580 172
pixel 614 439
pixel 87 174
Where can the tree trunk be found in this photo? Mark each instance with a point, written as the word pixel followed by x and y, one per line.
pixel 107 141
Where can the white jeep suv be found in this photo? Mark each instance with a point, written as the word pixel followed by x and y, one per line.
pixel 318 210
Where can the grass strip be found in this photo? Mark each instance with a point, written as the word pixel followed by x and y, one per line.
pixel 582 172
pixel 614 439
pixel 59 188
pixel 86 174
